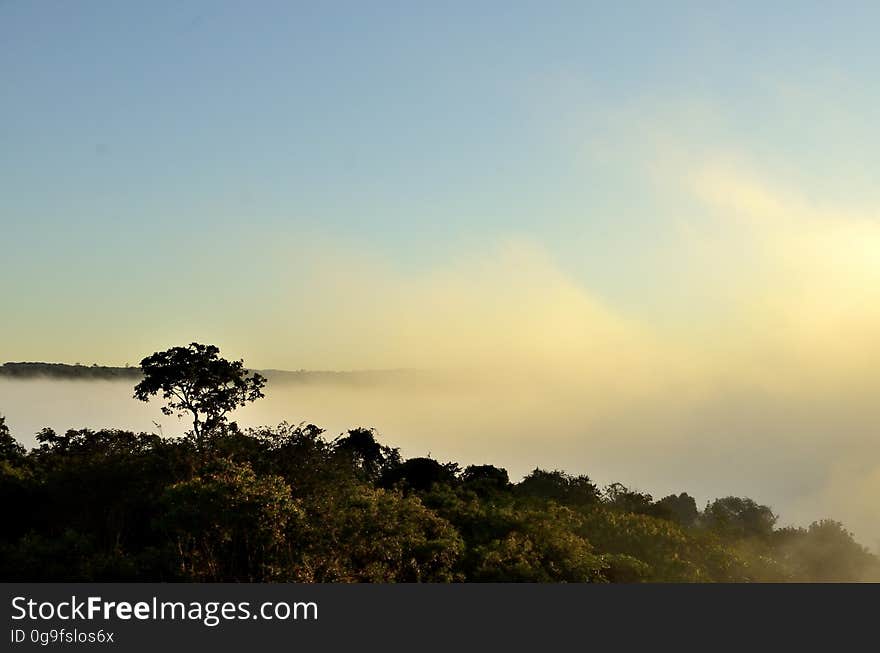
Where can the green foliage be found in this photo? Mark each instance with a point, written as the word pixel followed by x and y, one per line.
pixel 739 517
pixel 540 546
pixel 229 524
pixel 660 545
pixel 621 498
pixel 681 508
pixel 285 504
pixel 825 552
pixel 361 534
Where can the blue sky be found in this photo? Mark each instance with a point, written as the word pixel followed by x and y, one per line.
pixel 145 147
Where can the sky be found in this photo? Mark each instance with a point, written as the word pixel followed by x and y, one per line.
pixel 667 210
pixel 163 163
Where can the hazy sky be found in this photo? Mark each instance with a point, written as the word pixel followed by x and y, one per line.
pixel 273 176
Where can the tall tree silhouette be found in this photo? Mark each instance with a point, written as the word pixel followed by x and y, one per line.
pixel 195 380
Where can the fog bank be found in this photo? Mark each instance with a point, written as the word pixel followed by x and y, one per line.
pixel 729 441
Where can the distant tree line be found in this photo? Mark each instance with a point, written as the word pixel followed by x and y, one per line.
pixel 68 372
pixel 287 503
pixel 95 372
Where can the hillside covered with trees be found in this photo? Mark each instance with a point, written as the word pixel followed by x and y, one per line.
pixel 287 503
pixel 94 372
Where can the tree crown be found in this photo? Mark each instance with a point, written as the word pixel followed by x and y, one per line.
pixel 196 380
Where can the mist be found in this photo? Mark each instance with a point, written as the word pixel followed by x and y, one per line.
pixel 729 442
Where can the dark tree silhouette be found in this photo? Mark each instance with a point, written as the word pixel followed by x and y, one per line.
pixel 10 450
pixel 284 504
pixel 419 474
pixel 560 487
pixel 619 496
pixel 739 517
pixel 367 454
pixel 485 479
pixel 195 380
pixel 680 508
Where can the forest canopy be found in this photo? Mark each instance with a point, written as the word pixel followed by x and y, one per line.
pixel 288 503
